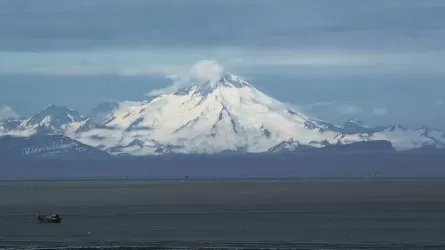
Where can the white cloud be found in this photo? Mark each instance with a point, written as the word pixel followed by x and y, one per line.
pixel 7 112
pixel 380 111
pixel 166 90
pixel 348 109
pixel 205 71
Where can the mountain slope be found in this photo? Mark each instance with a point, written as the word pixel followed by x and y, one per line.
pixel 54 118
pixel 47 146
pixel 229 115
pixel 51 120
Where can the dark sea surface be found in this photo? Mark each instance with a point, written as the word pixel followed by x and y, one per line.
pixel 299 214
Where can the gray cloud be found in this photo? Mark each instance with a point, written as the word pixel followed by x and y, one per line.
pixel 380 111
pixel 348 109
pixel 347 24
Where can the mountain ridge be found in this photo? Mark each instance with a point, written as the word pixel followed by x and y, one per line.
pixel 39 146
pixel 226 115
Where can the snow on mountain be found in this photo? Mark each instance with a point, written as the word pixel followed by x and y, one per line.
pixel 400 137
pixel 218 116
pixel 229 114
pixel 56 118
pixel 98 116
pixel 51 120
pixel 354 126
pixel 8 125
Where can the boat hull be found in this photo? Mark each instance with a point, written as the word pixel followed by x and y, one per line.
pixel 49 220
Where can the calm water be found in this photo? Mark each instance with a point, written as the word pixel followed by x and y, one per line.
pixel 220 212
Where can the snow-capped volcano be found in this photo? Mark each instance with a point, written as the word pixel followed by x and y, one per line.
pixel 225 115
pixel 229 80
pixel 229 114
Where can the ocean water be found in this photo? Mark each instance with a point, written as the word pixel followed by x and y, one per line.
pixel 311 214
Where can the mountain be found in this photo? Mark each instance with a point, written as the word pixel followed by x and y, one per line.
pixel 47 146
pixel 98 116
pixel 9 125
pixel 354 126
pixel 229 115
pixel 377 146
pixel 54 118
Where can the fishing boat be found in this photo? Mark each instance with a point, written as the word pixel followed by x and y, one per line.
pixel 50 218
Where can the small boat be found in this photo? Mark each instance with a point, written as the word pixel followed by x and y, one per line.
pixel 50 218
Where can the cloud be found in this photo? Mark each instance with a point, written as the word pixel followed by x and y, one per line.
pixel 170 89
pixel 161 62
pixel 316 58
pixel 380 111
pixel 82 24
pixel 7 112
pixel 101 70
pixel 317 104
pixel 204 71
pixel 348 109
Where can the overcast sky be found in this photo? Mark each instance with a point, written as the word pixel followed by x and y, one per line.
pixel 377 61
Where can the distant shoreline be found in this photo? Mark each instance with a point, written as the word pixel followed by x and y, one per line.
pixel 301 166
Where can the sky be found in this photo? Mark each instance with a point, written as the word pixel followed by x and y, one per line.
pixel 381 62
